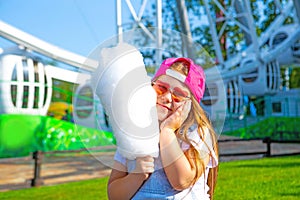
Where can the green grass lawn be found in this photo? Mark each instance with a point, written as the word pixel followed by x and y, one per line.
pixel 267 178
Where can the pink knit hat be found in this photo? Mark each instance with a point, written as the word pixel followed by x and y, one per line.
pixel 195 80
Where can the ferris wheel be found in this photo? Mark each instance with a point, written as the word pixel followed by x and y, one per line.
pixel 254 70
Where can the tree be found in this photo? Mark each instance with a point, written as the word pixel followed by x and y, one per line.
pixel 233 38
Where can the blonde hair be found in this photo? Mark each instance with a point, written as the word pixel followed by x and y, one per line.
pixel 197 116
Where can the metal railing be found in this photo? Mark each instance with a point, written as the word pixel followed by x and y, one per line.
pixel 38 156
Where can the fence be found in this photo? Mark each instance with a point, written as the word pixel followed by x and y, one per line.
pixel 245 153
pixel 38 156
pixel 38 160
pixel 267 153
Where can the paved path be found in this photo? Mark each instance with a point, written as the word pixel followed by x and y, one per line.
pixel 55 170
pixel 75 167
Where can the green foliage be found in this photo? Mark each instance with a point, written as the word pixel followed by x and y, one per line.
pixel 267 128
pixel 270 13
pixel 295 78
pixel 151 69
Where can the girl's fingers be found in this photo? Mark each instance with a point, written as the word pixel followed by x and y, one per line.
pixel 144 164
pixel 175 120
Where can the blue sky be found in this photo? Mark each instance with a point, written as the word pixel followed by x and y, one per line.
pixel 74 25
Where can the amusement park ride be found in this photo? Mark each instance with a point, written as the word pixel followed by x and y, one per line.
pixel 253 71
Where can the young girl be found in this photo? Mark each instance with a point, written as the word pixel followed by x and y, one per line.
pixel 187 165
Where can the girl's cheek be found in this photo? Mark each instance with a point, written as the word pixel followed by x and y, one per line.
pixel 161 113
pixel 176 105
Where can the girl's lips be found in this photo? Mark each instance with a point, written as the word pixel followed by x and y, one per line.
pixel 164 106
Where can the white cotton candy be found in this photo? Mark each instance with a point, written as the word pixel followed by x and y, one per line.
pixel 125 91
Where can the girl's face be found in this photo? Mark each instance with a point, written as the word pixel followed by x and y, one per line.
pixel 171 94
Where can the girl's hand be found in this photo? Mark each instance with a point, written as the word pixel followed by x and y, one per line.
pixel 144 165
pixel 175 120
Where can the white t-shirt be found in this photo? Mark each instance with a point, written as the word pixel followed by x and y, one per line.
pixel 200 188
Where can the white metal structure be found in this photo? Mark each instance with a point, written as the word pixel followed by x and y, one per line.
pixel 137 18
pixel 285 103
pixel 291 54
pixel 252 71
pixel 256 69
pixel 26 82
pixel 25 87
pixel 88 110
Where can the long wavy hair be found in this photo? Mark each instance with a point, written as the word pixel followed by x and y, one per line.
pixel 198 116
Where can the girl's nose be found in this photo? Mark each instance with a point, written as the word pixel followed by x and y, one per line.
pixel 168 96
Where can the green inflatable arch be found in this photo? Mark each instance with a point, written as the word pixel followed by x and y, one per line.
pixel 22 134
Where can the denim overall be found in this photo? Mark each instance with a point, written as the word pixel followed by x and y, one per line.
pixel 157 185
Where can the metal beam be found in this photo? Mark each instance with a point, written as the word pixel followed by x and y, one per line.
pixel 138 20
pixel 119 20
pixel 214 33
pixel 252 29
pixel 297 8
pixel 187 40
pixel 37 45
pixel 265 56
pixel 158 32
pixel 72 77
